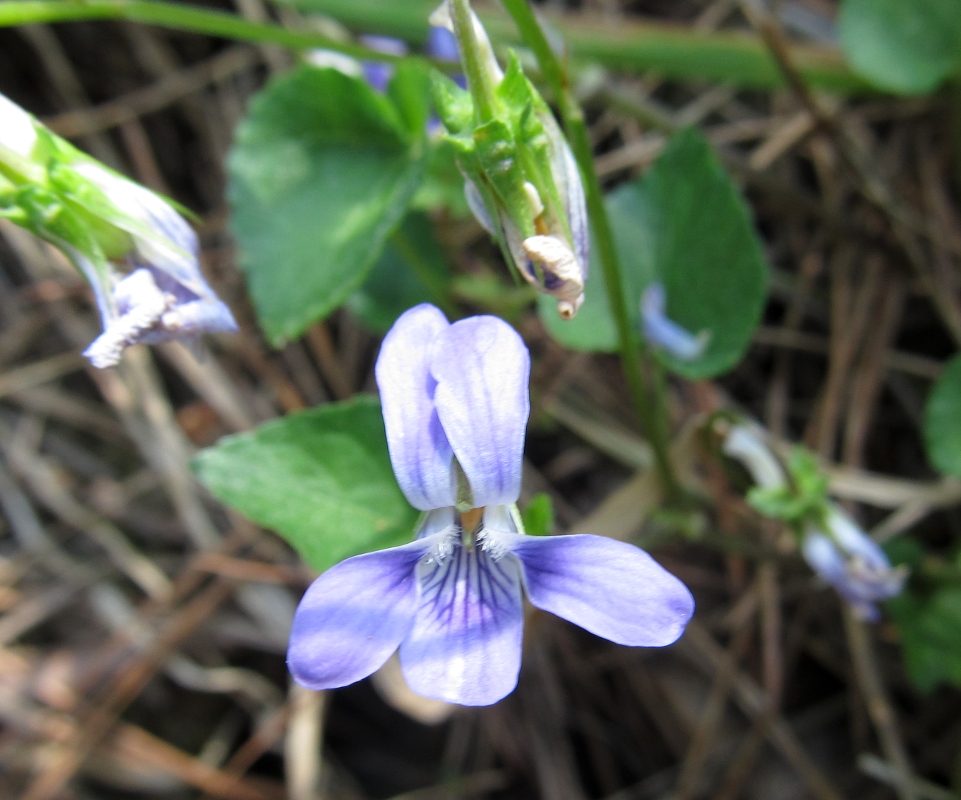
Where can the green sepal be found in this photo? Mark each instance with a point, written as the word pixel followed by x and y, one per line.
pixel 409 92
pixel 497 158
pixel 527 113
pixel 454 105
pixel 801 502
pixel 538 515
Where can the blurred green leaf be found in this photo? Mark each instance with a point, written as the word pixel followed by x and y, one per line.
pixel 684 224
pixel 443 186
pixel 906 46
pixel 930 629
pixel 942 420
pixel 494 294
pixel 412 270
pixel 323 169
pixel 538 515
pixel 321 478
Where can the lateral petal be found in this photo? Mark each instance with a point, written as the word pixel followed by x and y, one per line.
pixel 354 616
pixel 419 450
pixel 610 588
pixel 465 645
pixel 482 367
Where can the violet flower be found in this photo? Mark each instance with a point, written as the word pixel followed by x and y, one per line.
pixel 379 73
pixel 455 404
pixel 660 331
pixel 165 297
pixel 842 554
pixel 853 563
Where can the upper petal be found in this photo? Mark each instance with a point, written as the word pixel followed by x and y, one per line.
pixel 419 450
pixel 465 646
pixel 354 616
pixel 482 368
pixel 610 588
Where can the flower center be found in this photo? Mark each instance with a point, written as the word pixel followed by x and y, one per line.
pixel 471 520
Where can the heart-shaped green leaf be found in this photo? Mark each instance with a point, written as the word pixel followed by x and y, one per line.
pixel 323 169
pixel 905 46
pixel 683 224
pixel 942 420
pixel 412 269
pixel 321 478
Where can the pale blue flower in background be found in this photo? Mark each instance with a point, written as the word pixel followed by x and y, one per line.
pixel 165 296
pixel 455 402
pixel 379 73
pixel 842 554
pixel 853 563
pixel 442 45
pixel 660 331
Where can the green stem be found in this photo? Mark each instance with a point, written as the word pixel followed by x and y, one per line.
pixel 180 17
pixel 478 81
pixel 650 405
pixel 738 58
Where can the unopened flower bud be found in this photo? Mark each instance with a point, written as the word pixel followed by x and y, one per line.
pixel 521 180
pixel 106 224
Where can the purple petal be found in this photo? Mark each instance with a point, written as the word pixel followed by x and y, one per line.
pixel 465 646
pixel 442 44
pixel 660 331
pixel 475 202
pixel 853 564
pixel 419 450
pixel 354 616
pixel 823 556
pixel 379 73
pixel 611 588
pixel 575 205
pixel 482 368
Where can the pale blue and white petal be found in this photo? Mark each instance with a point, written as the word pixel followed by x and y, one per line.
pixel 610 588
pixel 482 368
pixel 354 616
pixel 465 645
pixel 661 331
pixel 419 449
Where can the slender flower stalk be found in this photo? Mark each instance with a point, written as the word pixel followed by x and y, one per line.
pixel 834 546
pixel 649 400
pixel 456 404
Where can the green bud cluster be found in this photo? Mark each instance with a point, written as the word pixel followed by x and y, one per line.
pixel 802 501
pixel 518 165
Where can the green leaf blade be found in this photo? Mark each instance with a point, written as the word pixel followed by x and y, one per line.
pixel 942 421
pixel 323 170
pixel 904 46
pixel 683 224
pixel 321 478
